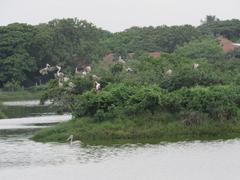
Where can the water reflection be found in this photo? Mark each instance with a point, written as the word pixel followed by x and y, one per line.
pixel 28 103
pixel 16 109
pixel 17 151
pixel 23 159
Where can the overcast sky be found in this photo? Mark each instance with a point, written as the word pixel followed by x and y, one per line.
pixel 117 15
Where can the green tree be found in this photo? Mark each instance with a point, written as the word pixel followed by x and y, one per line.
pixel 15 60
pixel 227 28
pixel 208 48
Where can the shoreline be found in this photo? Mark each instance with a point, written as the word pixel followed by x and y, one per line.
pixel 131 132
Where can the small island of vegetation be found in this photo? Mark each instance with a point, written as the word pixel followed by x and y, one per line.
pixel 143 84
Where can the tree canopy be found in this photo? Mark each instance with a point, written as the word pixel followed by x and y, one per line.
pixel 24 49
pixel 71 43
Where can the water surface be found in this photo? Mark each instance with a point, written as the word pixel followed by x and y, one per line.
pixel 17 109
pixel 24 159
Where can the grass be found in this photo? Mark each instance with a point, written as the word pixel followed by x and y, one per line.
pixel 139 129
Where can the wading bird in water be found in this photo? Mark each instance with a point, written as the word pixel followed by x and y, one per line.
pixel 70 138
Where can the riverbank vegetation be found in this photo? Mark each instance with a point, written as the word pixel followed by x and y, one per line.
pixel 189 89
pixel 188 104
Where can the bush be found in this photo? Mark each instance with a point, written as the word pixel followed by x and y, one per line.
pixel 208 48
pixel 106 100
pixel 234 54
pixel 190 78
pixel 147 98
pixel 219 102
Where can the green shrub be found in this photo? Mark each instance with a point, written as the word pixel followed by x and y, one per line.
pixel 219 102
pixel 147 98
pixel 112 96
pixel 189 78
pixel 208 48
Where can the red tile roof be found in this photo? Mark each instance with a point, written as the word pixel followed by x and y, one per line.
pixel 109 57
pixel 227 45
pixel 154 54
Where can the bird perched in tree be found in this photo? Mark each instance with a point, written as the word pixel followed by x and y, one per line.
pixel 195 66
pixel 120 60
pixel 45 70
pixel 52 69
pixel 97 86
pixel 60 75
pixel 88 69
pixel 84 73
pixel 129 69
pixel 169 72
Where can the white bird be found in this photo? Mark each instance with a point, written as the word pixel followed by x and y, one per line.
pixel 71 85
pixel 120 60
pixel 84 73
pixel 45 70
pixel 97 86
pixel 129 69
pixel 60 75
pixel 195 66
pixel 88 69
pixel 70 138
pixel 52 69
pixel 169 72
pixel 65 79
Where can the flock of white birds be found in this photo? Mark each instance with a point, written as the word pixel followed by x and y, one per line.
pixel 86 70
pixel 62 78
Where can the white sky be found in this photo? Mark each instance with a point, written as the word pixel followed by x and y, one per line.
pixel 117 15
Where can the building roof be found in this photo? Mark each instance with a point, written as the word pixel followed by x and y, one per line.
pixel 227 45
pixel 154 54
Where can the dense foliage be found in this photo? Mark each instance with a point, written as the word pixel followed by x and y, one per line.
pixel 227 28
pixel 193 88
pixel 203 48
pixel 24 49
pixel 150 39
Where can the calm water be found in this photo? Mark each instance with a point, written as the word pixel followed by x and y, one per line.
pixel 23 159
pixel 17 109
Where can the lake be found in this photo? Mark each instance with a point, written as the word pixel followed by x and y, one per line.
pixel 23 159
